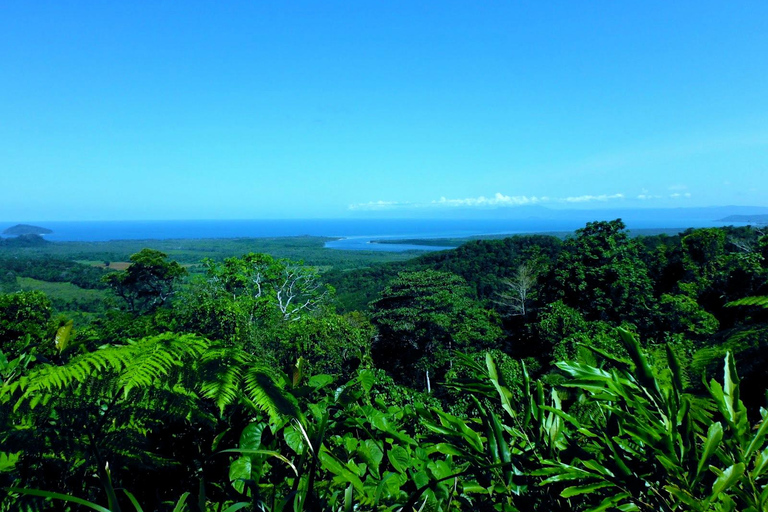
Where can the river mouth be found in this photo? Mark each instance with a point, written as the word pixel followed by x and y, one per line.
pixel 369 243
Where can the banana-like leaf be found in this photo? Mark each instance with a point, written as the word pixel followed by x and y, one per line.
pixel 613 502
pixel 725 479
pixel 584 489
pixel 714 436
pixel 62 336
pixel 759 437
pixel 642 368
pixel 761 464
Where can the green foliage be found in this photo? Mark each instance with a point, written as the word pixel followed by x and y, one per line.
pixel 67 296
pixel 422 317
pixel 25 321
pixel 280 409
pixel 148 282
pixel 239 297
pixel 682 314
pixel 600 273
pixel 55 270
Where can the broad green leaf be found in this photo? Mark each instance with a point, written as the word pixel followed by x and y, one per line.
pixel 294 439
pixel 440 469
pixel 446 449
pixel 643 370
pixel 371 453
pixel 611 502
pixel 320 381
pixel 726 479
pixel 399 458
pixel 250 438
pixel 62 336
pixel 761 464
pixel 757 440
pixel 335 466
pixel 674 366
pixel 269 453
pixel 714 436
pixel 683 495
pixel 367 378
pixel 240 470
pixel 730 386
pixel 584 489
pixel 421 478
pixel 597 467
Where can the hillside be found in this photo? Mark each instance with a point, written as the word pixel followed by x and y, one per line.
pixel 26 229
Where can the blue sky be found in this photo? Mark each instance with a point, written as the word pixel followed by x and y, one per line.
pixel 219 110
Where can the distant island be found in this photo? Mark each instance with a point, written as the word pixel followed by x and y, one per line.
pixel 26 229
pixel 754 219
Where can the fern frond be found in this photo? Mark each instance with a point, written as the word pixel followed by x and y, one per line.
pixel 139 364
pixel 761 301
pixel 155 357
pixel 262 390
pixel 221 373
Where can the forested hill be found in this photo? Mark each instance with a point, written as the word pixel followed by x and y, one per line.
pixel 482 263
pixel 485 264
pixel 26 229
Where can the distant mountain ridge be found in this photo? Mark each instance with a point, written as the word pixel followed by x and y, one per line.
pixel 26 229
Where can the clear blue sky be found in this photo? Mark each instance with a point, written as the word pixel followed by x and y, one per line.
pixel 219 110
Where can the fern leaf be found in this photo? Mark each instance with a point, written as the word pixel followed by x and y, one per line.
pixel 222 377
pixel 265 393
pixel 750 301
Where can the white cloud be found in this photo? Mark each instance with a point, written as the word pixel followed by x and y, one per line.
pixel 497 200
pixel 377 205
pixel 645 195
pixel 678 195
pixel 589 198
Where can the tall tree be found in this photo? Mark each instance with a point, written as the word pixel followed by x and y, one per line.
pixel 600 273
pixel 148 282
pixel 422 317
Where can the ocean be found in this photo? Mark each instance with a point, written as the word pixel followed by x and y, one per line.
pixel 353 234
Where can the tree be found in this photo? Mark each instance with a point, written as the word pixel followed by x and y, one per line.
pixel 601 274
pixel 25 319
pixel 519 290
pixel 148 282
pixel 256 292
pixel 421 318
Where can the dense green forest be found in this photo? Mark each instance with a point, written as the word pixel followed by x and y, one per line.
pixel 593 372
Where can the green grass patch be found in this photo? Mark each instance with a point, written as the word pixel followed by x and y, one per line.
pixel 67 296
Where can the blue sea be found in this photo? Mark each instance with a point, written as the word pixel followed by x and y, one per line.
pixel 353 234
